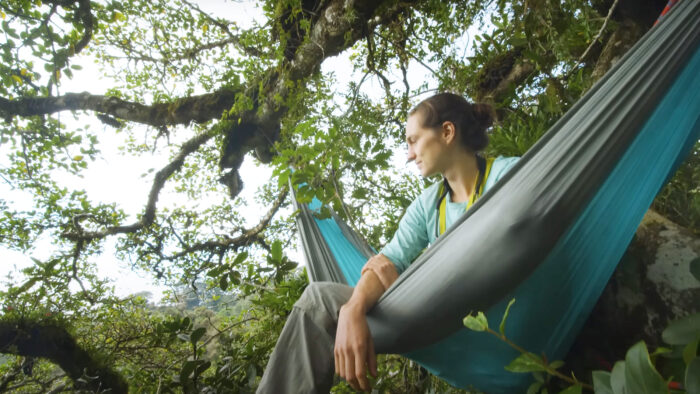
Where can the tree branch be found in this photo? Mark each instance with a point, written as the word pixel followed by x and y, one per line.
pixel 181 111
pixel 55 343
pixel 244 239
pixel 84 13
pixel 339 25
pixel 77 234
pixel 594 41
pixel 10 376
pixel 498 78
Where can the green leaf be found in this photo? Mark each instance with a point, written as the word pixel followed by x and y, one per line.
pixel 660 351
pixel 527 362
pixel 556 364
pixel 214 272
pixel 476 323
pixel 187 369
pixel 197 334
pixel 203 366
pixel 502 327
pixel 640 374
pixel 695 268
pixel 690 351
pixel 601 382
pixel 617 378
pixel 575 389
pixel 276 251
pixel 534 388
pixel 223 283
pixel 240 258
pixel 692 376
pixel 682 331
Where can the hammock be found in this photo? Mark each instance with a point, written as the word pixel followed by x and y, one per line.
pixel 549 234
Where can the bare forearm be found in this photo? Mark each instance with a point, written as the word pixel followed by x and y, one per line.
pixel 366 293
pixel 377 276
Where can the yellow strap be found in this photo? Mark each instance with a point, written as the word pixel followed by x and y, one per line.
pixel 443 211
pixel 475 196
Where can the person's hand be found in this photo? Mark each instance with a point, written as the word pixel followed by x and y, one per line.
pixel 354 349
pixel 383 268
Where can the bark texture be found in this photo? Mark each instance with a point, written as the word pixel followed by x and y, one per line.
pixel 31 339
pixel 652 286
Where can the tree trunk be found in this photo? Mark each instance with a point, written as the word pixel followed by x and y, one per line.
pixel 651 286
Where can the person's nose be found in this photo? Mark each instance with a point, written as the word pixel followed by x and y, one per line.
pixel 411 155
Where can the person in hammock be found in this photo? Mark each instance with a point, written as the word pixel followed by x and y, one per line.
pixel 327 331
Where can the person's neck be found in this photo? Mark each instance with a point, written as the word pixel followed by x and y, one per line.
pixel 462 176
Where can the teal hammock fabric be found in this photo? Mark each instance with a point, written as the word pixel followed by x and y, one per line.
pixel 591 190
pixel 348 256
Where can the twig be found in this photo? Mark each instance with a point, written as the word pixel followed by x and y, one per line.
pixel 247 236
pixel 534 358
pixel 342 203
pixel 76 255
pixel 213 20
pixel 158 183
pixel 595 39
pixel 355 94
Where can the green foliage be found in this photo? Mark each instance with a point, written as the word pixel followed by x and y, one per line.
pixel 235 279
pixel 477 323
pixel 682 331
pixel 636 374
pixel 502 326
pixel 680 198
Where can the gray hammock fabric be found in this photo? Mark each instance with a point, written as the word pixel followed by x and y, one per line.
pixel 549 234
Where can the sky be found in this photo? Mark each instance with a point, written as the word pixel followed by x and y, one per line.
pixel 112 178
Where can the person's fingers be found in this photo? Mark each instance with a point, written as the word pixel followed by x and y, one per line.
pixel 350 377
pixel 372 359
pixel 341 365
pixel 360 370
pixel 335 359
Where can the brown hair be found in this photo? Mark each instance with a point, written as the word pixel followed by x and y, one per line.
pixel 471 120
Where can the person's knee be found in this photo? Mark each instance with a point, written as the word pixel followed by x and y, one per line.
pixel 314 295
pixel 322 300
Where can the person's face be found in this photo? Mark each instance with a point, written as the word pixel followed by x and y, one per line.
pixel 426 146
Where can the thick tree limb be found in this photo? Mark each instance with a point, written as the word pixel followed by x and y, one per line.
pixel 617 45
pixel 340 24
pixel 9 377
pixel 642 13
pixel 58 345
pixel 181 111
pixel 497 79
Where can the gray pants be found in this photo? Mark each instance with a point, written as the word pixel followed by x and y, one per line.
pixel 303 360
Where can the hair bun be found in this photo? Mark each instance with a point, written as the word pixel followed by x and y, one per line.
pixel 483 115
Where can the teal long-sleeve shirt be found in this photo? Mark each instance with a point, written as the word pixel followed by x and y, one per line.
pixel 417 228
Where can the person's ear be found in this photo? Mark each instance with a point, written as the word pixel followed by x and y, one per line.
pixel 449 132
